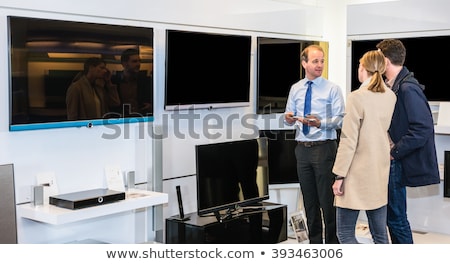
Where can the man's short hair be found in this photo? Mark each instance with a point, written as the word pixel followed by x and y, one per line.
pixel 305 53
pixel 126 54
pixel 394 50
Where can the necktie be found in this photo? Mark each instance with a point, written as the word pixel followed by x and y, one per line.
pixel 307 107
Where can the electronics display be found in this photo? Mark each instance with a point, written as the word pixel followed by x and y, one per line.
pixel 279 68
pixel 46 55
pixel 416 61
pixel 83 199
pixel 206 70
pixel 228 176
pixel 282 164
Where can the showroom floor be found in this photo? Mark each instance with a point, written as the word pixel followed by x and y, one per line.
pixel 363 235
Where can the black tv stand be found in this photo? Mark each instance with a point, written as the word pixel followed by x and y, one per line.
pixel 221 217
pixel 262 223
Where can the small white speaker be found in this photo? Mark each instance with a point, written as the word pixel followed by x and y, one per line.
pixel 38 195
pixel 131 180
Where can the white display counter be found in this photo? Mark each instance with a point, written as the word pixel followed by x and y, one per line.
pixel 50 214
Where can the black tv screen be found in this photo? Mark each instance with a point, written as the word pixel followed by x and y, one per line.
pixel 416 61
pixel 282 164
pixel 47 55
pixel 206 70
pixel 279 67
pixel 228 176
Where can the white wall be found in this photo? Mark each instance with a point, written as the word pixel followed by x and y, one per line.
pixel 398 17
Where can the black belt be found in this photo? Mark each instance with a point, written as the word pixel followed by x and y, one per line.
pixel 308 144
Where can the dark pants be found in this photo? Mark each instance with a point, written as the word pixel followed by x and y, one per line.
pixel 347 218
pixel 397 218
pixel 314 165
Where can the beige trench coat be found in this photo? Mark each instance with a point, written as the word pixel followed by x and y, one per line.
pixel 363 155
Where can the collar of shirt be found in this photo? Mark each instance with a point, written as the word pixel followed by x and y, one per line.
pixel 390 82
pixel 315 82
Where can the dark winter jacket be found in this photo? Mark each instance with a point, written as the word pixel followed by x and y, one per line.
pixel 412 131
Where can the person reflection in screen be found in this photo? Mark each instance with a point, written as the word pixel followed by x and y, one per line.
pixel 233 173
pixel 91 93
pixel 134 86
pixel 245 164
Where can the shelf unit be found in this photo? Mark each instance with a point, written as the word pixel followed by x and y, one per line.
pixel 50 214
pixel 442 130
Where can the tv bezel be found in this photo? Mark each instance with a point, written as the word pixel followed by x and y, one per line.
pixel 42 124
pixel 233 206
pixel 205 105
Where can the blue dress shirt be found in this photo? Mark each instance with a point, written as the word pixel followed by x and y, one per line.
pixel 327 104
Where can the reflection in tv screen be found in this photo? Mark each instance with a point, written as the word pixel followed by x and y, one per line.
pixel 48 56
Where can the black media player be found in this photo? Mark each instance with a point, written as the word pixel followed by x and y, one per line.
pixel 83 199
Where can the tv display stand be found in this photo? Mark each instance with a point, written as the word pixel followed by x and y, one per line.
pixel 266 225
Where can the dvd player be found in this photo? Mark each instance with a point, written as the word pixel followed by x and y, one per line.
pixel 83 199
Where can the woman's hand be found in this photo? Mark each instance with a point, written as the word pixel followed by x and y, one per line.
pixel 338 187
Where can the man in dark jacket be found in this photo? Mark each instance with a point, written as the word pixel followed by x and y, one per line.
pixel 135 88
pixel 413 153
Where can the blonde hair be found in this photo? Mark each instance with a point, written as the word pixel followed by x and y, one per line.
pixel 374 63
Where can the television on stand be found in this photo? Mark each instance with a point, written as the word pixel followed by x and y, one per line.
pixel 231 178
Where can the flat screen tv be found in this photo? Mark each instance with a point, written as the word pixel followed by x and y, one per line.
pixel 279 67
pixel 206 70
pixel 282 164
pixel 229 176
pixel 47 54
pixel 416 61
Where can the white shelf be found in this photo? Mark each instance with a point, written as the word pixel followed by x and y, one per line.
pixel 54 215
pixel 444 130
pixel 284 186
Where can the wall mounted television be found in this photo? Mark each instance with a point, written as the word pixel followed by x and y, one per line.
pixel 206 70
pixel 279 67
pixel 282 164
pixel 46 55
pixel 416 61
pixel 230 175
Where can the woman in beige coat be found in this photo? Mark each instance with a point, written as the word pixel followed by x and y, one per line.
pixel 363 159
pixel 91 94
